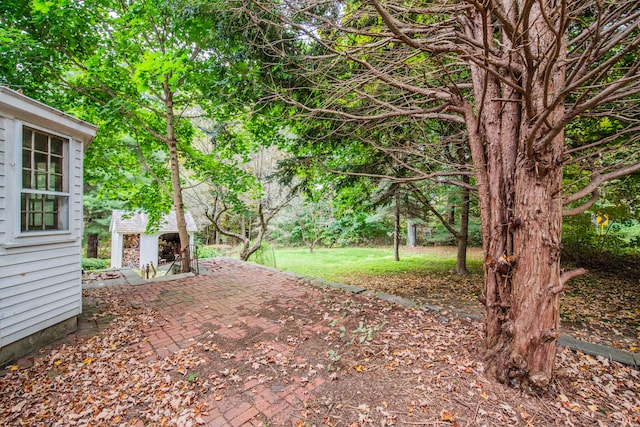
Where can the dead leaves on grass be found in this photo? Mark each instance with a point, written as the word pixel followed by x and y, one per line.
pixel 601 388
pixel 597 308
pixel 604 309
pixel 423 371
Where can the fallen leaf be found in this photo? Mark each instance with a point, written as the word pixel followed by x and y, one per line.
pixel 18 407
pixel 447 416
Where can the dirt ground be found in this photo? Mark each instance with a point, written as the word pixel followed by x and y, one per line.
pixel 324 358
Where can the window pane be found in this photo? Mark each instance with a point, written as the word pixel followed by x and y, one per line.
pixel 40 160
pixel 42 142
pixel 49 203
pixel 62 210
pixel 56 164
pixel 26 168
pixel 51 221
pixel 23 212
pixel 55 183
pixel 26 158
pixel 56 145
pixel 35 203
pixel 40 181
pixel 40 175
pixel 26 178
pixel 26 137
pixel 35 220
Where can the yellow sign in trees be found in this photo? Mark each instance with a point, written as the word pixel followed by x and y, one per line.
pixel 601 221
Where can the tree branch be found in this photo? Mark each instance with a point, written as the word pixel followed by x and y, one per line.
pixel 599 179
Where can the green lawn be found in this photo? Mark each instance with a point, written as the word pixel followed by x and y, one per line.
pixel 336 263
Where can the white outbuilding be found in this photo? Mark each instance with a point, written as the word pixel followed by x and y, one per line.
pixel 132 246
pixel 41 156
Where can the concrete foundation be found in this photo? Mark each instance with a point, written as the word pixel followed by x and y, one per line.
pixel 15 350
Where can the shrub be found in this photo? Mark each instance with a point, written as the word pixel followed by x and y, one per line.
pixel 214 251
pixel 208 252
pixel 264 255
pixel 95 263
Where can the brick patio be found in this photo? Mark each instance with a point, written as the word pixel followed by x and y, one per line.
pixel 225 299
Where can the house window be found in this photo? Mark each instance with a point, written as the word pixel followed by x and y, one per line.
pixel 44 198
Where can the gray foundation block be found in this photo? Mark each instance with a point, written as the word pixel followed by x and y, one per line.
pixel 15 350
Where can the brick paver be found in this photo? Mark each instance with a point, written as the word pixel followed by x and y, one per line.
pixel 226 299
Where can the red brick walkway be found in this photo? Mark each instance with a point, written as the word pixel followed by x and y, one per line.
pixel 226 300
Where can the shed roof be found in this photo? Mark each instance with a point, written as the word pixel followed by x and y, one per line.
pixel 126 222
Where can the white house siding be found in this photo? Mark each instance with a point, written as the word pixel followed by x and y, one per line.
pixel 41 286
pixel 149 249
pixel 40 272
pixel 75 202
pixel 116 250
pixel 2 179
pixel 40 282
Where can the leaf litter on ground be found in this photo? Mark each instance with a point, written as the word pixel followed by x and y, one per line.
pixel 377 363
pixel 103 379
pixel 597 307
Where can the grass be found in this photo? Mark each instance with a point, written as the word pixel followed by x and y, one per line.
pixel 337 263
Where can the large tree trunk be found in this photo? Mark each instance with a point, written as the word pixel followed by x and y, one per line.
pixel 519 185
pixel 178 206
pixel 396 227
pixel 92 245
pixel 176 186
pixel 463 234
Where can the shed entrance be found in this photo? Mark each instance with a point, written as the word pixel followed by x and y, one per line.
pixel 168 247
pixel 131 250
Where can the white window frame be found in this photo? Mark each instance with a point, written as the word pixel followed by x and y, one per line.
pixel 16 237
pixel 62 219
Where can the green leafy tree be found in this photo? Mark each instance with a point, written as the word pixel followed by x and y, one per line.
pixel 305 222
pixel 96 220
pixel 514 74
pixel 233 169
pixel 142 64
pixel 392 154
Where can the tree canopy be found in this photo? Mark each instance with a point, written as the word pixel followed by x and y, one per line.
pixel 143 69
pixel 518 75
